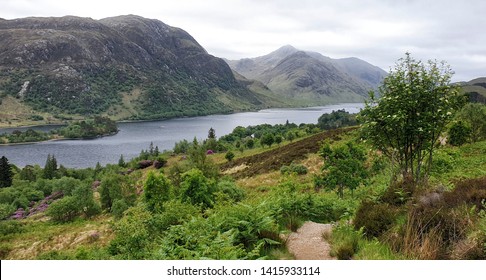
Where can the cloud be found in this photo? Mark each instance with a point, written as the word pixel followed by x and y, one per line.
pixel 375 30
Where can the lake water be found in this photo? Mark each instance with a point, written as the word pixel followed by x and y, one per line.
pixel 135 136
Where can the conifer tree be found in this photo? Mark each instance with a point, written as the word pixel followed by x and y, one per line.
pixel 6 173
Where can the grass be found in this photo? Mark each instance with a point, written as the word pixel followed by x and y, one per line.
pixel 41 236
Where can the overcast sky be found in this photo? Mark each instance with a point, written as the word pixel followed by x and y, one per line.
pixel 378 31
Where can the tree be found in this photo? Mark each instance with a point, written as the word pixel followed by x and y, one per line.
pixel 459 133
pixel 278 139
pixel 211 133
pixel 197 189
pixel 229 156
pixel 50 167
pixel 290 136
pixel 121 162
pixel 343 168
pixel 156 192
pixel 267 139
pixel 6 173
pixel 474 114
pixel 417 102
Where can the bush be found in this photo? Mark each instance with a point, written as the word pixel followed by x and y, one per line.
pixel 229 156
pixel 344 241
pixel 374 218
pixel 298 169
pixel 64 210
pixel 175 213
pixel 230 191
pixel 157 190
pixel 459 133
pixel 6 210
pixel 197 189
pixel 118 208
pixel 10 227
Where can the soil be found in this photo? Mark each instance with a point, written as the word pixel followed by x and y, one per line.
pixel 308 242
pixel 274 159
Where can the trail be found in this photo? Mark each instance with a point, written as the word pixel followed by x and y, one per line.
pixel 308 244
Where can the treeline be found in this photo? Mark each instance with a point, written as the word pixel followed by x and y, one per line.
pixel 97 127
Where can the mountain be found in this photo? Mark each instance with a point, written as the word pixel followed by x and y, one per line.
pixel 475 90
pixel 310 78
pixel 126 67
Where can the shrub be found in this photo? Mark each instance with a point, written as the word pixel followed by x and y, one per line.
pixel 344 241
pixel 10 227
pixel 132 234
pixel 64 210
pixel 118 208
pixel 229 156
pixel 459 133
pixel 374 218
pixel 230 191
pixel 6 210
pixel 298 169
pixel 156 191
pixel 197 189
pixel 175 213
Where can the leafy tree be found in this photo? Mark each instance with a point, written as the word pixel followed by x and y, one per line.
pixel 343 168
pixel 278 139
pixel 290 136
pixel 229 156
pixel 250 143
pixel 474 114
pixel 459 133
pixel 6 173
pixel 417 102
pixel 267 139
pixel 196 188
pixel 198 159
pixel 156 192
pixel 50 167
pixel 336 119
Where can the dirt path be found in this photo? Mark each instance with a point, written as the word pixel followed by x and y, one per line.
pixel 308 244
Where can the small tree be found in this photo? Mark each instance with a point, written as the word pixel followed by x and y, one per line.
pixel 474 114
pixel 267 139
pixel 211 133
pixel 290 135
pixel 50 167
pixel 278 139
pixel 343 168
pixel 6 173
pixel 417 102
pixel 156 192
pixel 229 156
pixel 196 188
pixel 121 162
pixel 459 133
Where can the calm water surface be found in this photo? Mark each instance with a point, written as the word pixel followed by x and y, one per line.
pixel 133 137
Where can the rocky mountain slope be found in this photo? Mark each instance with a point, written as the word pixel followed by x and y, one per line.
pixel 126 66
pixel 310 76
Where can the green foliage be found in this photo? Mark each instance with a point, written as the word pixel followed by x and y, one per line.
pixel 298 169
pixel 50 167
pixel 197 189
pixel 157 190
pixel 374 218
pixel 29 135
pixel 66 185
pixel 6 173
pixel 229 191
pixel 343 168
pixel 121 162
pixel 10 227
pixel 6 210
pixel 181 147
pixel 132 237
pixel 417 101
pixel 64 210
pixel 459 133
pixel 229 156
pixel 336 119
pixel 267 139
pixel 344 241
pixel 68 208
pixel 474 115
pixel 175 213
pixel 198 159
pixel 118 208
pixel 116 187
pixel 87 129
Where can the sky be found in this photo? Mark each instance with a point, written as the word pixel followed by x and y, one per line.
pixel 378 31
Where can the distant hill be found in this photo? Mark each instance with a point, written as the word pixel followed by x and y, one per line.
pixel 311 78
pixel 127 67
pixel 475 89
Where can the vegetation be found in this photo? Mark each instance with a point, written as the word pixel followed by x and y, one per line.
pixel 416 103
pixel 197 203
pixel 97 127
